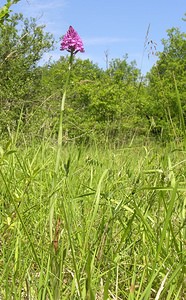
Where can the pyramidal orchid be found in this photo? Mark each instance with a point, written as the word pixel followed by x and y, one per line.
pixel 73 44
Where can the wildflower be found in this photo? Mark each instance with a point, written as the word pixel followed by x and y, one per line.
pixel 72 42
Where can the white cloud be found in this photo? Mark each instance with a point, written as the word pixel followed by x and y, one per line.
pixel 46 12
pixel 37 5
pixel 105 40
pixel 41 10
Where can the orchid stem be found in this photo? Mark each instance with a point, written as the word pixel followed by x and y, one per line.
pixel 59 147
pixel 60 131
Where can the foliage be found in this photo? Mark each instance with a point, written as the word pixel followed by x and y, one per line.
pixel 5 11
pixel 121 71
pixel 162 96
pixel 98 102
pixel 22 44
pixel 115 104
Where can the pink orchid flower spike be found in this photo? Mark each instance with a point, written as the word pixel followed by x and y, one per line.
pixel 72 42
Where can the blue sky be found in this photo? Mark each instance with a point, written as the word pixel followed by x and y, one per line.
pixel 113 27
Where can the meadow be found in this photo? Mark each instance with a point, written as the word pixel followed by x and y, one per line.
pixel 92 170
pixel 117 227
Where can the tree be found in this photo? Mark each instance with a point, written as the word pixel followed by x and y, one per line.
pixel 99 103
pixel 5 11
pixel 22 44
pixel 122 71
pixel 165 79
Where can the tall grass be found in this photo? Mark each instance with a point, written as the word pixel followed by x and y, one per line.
pixel 119 229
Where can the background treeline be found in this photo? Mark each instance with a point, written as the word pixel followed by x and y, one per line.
pixel 113 104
